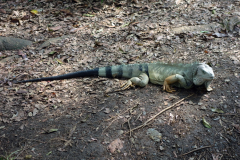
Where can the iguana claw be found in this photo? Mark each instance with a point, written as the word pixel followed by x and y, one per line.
pixel 209 89
pixel 127 85
pixel 167 88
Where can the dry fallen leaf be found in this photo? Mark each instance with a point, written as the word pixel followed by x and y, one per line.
pixel 117 144
pixel 54 28
pixel 2 11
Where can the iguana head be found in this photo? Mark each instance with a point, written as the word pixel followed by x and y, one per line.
pixel 203 74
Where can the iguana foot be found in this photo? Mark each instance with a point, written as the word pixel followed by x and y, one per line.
pixel 127 85
pixel 167 88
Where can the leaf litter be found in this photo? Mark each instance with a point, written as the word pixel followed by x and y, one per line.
pixel 87 34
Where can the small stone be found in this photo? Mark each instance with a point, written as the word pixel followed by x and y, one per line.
pixel 225 106
pixel 107 110
pixel 203 108
pixel 195 147
pixel 120 132
pixel 190 102
pixel 176 136
pixel 216 118
pixel 154 134
pixel 161 148
pixel 200 103
pixel 132 140
pixel 227 80
pixel 68 116
pixel 30 114
pixel 139 153
pixel 35 111
pixel 125 102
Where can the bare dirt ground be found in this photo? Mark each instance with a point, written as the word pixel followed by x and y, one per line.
pixel 76 119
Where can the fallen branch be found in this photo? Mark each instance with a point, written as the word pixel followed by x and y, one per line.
pixel 194 150
pixel 147 122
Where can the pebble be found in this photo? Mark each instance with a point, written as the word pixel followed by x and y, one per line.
pixel 132 140
pixel 227 80
pixel 161 148
pixel 203 108
pixel 120 132
pixel 190 102
pixel 195 147
pixel 154 134
pixel 30 114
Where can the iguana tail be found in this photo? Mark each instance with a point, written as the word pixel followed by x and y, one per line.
pixel 126 71
pixel 87 73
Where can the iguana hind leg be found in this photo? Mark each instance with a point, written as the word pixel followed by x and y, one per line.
pixel 176 78
pixel 141 80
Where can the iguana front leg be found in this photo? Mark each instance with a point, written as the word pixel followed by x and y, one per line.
pixel 141 80
pixel 176 78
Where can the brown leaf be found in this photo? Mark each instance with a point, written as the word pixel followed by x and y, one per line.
pixel 3 11
pixel 68 12
pixel 21 91
pixel 117 144
pixel 54 28
pixel 18 116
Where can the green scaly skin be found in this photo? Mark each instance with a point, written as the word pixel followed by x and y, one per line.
pixel 179 75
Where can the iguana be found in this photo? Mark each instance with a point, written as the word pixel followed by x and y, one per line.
pixel 179 75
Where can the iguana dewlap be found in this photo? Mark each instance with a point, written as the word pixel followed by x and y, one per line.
pixel 179 75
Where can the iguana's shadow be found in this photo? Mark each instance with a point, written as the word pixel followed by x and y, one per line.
pixel 197 91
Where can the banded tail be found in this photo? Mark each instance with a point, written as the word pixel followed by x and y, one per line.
pixel 125 71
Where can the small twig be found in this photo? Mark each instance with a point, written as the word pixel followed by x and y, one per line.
pixel 129 126
pixel 116 117
pixel 72 130
pixel 195 150
pixel 147 122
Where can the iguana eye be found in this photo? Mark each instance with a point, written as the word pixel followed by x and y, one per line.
pixel 204 72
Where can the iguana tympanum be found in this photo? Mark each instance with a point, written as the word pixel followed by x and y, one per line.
pixel 179 75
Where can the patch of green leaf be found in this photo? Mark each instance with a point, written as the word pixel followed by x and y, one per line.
pixel 205 123
pixel 217 110
pixel 52 52
pixel 204 31
pixel 49 153
pixel 10 156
